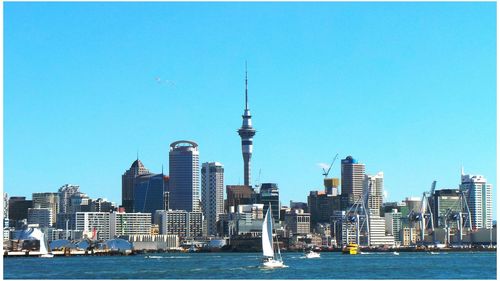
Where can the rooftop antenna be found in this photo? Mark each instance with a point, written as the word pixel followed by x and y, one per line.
pixel 246 87
pixel 137 154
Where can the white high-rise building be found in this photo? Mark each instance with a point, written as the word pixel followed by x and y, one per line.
pixel 376 195
pixel 212 194
pixel 378 236
pixel 95 225
pixel 479 196
pixel 180 222
pixel 130 224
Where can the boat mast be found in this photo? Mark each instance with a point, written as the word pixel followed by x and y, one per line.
pixel 272 232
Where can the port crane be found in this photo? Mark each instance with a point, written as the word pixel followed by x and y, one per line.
pixel 423 218
pixel 459 217
pixel 358 217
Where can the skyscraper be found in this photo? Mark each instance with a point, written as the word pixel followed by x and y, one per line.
pixel 352 179
pixel 375 184
pixel 246 133
pixel 212 194
pixel 479 196
pixel 269 194
pixel 128 181
pixel 184 176
pixel 443 201
pixel 47 200
pixel 65 193
pixel 149 192
pixel 18 208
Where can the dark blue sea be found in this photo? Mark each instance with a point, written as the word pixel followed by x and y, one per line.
pixel 464 265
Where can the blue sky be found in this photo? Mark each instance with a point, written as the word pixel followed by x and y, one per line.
pixel 406 88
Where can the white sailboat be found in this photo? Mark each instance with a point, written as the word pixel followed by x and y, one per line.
pixel 271 259
pixel 43 247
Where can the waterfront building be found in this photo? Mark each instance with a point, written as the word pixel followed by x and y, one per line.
pixel 246 132
pixel 182 223
pixel 442 202
pixel 394 224
pixel 70 234
pixel 102 205
pixel 129 224
pixel 239 194
pixel 408 236
pixel 480 200
pixel 40 216
pixel 375 186
pixel 94 225
pixel 18 208
pixel 184 176
pixel 352 178
pixel 128 182
pixel 269 195
pixel 246 220
pixel 149 192
pixel 153 242
pixel 378 236
pixel 65 193
pixel 297 222
pixel 47 200
pixel 212 194
pixel 321 206
pixel 5 210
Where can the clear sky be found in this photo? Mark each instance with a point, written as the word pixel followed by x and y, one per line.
pixel 406 88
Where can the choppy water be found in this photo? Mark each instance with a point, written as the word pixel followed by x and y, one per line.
pixel 469 265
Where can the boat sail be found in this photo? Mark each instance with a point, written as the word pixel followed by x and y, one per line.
pixel 270 260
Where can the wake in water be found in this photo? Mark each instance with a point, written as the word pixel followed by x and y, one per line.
pixel 163 257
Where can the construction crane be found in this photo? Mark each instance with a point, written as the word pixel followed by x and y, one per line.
pixel 326 172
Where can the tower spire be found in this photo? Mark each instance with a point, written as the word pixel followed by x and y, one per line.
pixel 246 87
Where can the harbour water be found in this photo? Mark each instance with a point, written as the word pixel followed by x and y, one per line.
pixel 334 265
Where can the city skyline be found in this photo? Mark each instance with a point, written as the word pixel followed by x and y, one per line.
pixel 90 121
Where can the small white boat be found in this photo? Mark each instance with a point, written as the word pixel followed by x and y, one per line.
pixel 271 259
pixel 433 253
pixel 312 255
pixel 395 253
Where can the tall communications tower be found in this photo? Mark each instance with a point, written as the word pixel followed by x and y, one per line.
pixel 246 133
